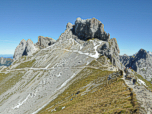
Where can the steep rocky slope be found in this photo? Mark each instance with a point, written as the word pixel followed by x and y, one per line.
pixel 83 52
pixel 141 62
pixel 5 61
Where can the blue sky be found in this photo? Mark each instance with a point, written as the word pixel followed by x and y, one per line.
pixel 129 21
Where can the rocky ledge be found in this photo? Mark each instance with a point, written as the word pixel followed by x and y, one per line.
pixel 44 42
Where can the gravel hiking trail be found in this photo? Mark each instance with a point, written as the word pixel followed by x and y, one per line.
pixel 143 96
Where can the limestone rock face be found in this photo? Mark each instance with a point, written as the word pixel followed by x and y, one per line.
pixel 69 26
pixel 19 50
pixel 30 48
pixel 25 48
pixel 140 62
pixel 111 50
pixel 44 42
pixel 90 28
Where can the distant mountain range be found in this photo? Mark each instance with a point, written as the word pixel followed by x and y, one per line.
pixel 150 53
pixel 7 55
pixel 141 62
pixel 5 61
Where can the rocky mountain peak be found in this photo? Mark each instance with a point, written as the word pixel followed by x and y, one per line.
pixel 85 30
pixel 125 55
pixel 26 48
pixel 90 28
pixel 142 54
pixel 90 32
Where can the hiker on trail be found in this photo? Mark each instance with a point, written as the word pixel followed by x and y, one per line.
pixel 128 77
pixel 77 92
pixel 134 81
pixel 109 77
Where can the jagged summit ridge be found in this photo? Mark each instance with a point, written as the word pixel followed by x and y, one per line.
pixel 27 48
pixel 89 28
pixel 83 31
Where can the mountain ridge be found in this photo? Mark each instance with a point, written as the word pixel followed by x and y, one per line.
pixel 37 77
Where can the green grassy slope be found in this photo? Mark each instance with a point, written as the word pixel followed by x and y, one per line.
pixel 96 96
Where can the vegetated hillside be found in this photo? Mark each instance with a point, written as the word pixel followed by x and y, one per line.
pixel 141 62
pixel 91 92
pixel 5 61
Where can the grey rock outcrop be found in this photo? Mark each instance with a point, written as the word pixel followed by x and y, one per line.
pixel 90 28
pixel 111 50
pixel 44 42
pixel 69 26
pixel 86 29
pixel 25 48
pixel 140 62
pixel 5 61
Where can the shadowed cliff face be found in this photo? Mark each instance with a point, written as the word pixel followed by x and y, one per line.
pixel 141 62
